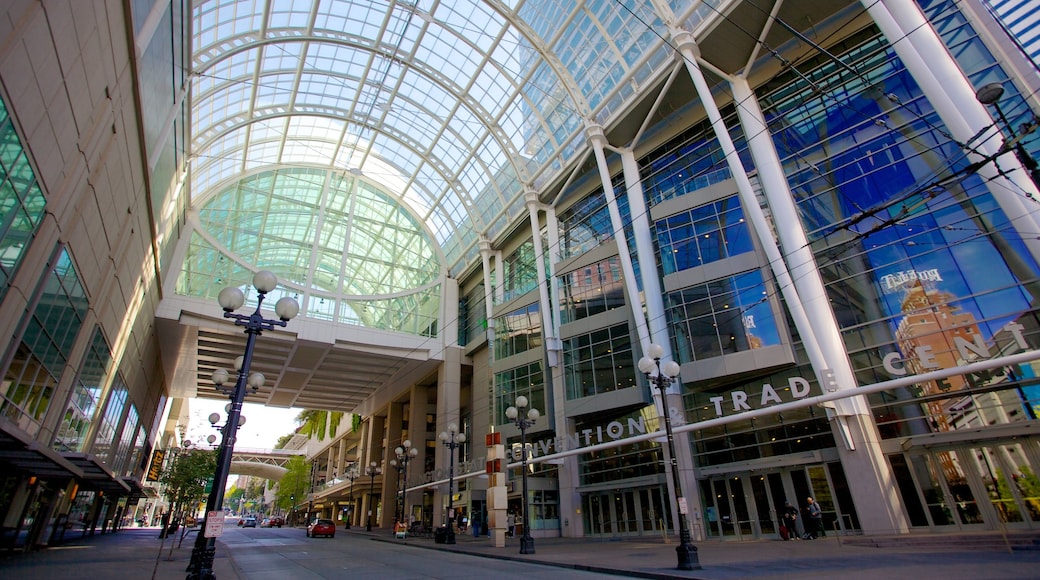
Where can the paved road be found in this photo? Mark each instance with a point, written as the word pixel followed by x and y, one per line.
pixel 284 553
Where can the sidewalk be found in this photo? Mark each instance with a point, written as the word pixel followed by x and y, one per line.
pixel 130 553
pixel 823 558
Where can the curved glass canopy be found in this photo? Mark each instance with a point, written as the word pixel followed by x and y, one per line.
pixel 455 110
pixel 356 254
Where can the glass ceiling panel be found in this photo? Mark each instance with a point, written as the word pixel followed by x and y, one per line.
pixel 366 243
pixel 448 106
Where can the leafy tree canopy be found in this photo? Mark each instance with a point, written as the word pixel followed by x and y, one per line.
pixel 295 484
pixel 185 478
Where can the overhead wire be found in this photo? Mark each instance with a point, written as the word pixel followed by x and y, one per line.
pixel 620 240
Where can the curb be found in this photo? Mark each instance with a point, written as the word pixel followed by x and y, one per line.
pixel 512 558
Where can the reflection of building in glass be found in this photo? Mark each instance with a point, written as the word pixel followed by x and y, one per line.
pixel 932 324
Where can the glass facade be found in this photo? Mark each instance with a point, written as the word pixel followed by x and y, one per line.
pixel 599 362
pixel 518 331
pixel 21 201
pixel 527 380
pixel 87 394
pixel 45 347
pixel 722 317
pixel 591 290
pixel 703 235
pixel 630 461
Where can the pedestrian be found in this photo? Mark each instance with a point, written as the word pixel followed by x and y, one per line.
pixel 510 523
pixel 814 523
pixel 789 523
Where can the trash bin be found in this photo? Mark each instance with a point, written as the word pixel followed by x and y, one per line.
pixel 440 535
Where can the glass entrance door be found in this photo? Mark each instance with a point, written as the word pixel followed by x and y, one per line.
pixel 745 506
pixel 1011 483
pixel 630 512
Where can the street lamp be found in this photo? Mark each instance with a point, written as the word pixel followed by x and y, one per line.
pixel 686 551
pixel 990 95
pixel 451 439
pixel 351 474
pixel 513 413
pixel 231 299
pixel 405 453
pixel 372 471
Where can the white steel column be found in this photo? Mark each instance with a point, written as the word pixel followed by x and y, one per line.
pixel 867 471
pixel 652 293
pixel 944 84
pixel 489 294
pixel 549 334
pixel 671 402
pixel 826 353
pixel 599 142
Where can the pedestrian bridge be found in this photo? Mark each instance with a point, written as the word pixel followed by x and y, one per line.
pixel 265 463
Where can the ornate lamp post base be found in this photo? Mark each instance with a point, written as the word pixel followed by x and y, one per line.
pixel 687 556
pixel 526 544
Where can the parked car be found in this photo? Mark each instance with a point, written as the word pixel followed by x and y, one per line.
pixel 277 522
pixel 321 528
pixel 249 522
pixel 265 523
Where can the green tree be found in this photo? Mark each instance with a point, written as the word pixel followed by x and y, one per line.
pixel 235 497
pixel 185 478
pixel 317 423
pixel 295 485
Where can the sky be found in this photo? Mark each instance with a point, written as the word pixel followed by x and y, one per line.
pixel 264 425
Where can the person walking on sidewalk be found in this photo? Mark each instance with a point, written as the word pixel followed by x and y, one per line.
pixel 790 517
pixel 814 523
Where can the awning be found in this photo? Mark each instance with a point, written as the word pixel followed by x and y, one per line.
pixel 137 489
pixel 22 453
pixel 96 475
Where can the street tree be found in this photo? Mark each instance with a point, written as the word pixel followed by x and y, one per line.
pixel 295 485
pixel 185 479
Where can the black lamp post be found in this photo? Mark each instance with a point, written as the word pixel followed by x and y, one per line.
pixel 351 474
pixel 405 453
pixel 514 415
pixel 990 95
pixel 686 551
pixel 451 439
pixel 231 299
pixel 372 471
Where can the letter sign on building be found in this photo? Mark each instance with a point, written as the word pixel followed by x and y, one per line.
pixel 155 467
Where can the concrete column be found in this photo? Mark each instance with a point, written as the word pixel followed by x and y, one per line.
pixel 394 437
pixel 373 437
pixel 942 81
pixel 449 384
pixel 418 406
pixel 449 331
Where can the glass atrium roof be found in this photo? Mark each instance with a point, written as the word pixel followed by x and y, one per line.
pixel 454 107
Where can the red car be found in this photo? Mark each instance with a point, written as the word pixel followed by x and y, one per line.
pixel 321 528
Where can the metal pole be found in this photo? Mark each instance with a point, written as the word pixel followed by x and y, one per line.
pixel 371 498
pixel 686 552
pixel 451 480
pixel 201 565
pixel 526 541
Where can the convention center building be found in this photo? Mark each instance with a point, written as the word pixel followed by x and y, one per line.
pixel 734 253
